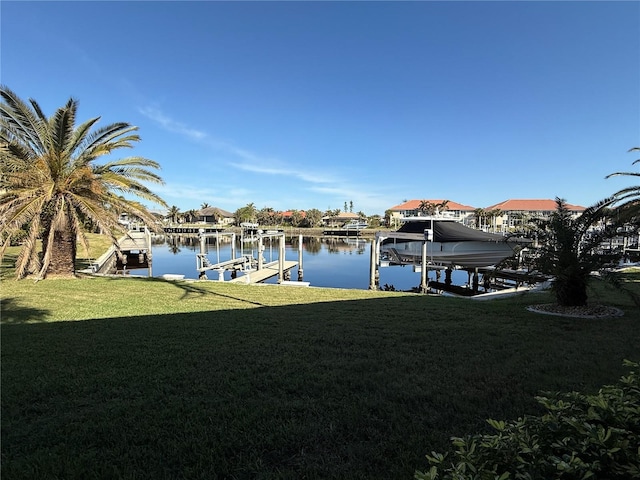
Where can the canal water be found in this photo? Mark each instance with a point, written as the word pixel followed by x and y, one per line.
pixel 337 262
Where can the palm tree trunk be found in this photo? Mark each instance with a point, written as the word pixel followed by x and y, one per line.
pixel 63 255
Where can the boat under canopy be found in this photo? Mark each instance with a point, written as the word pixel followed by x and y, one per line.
pixel 448 243
pixel 450 231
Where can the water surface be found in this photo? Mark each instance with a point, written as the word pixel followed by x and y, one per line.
pixel 336 262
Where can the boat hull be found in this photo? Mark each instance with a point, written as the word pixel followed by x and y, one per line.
pixel 462 254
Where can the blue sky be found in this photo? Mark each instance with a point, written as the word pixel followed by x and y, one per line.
pixel 298 105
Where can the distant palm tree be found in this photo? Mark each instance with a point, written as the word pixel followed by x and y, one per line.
pixel 246 214
pixel 296 218
pixel 443 206
pixel 204 205
pixel 173 213
pixel 427 207
pixel 191 215
pixel 217 216
pixel 51 185
pixel 314 217
pixel 480 215
pixel 493 215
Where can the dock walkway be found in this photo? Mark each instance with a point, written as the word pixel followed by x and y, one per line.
pixel 267 271
pixel 135 240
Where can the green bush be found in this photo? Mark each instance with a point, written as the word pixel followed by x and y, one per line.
pixel 578 437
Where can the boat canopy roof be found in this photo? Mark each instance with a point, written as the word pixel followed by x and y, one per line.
pixel 452 231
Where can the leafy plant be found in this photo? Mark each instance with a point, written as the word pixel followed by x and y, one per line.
pixel 579 436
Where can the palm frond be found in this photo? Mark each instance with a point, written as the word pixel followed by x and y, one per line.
pixel 131 173
pixel 22 122
pixel 62 126
pixel 80 134
pixel 98 139
pixel 630 174
pixel 129 161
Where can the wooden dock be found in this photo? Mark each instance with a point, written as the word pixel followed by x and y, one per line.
pixel 267 271
pixel 135 240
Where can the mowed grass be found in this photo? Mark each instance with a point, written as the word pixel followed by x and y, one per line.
pixel 141 378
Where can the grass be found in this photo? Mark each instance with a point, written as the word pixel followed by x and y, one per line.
pixel 142 378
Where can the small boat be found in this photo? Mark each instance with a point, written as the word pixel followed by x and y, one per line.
pixel 448 243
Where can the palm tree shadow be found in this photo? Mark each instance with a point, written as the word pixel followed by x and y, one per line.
pixel 189 289
pixel 13 313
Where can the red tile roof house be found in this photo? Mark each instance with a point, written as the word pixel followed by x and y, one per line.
pixel 515 213
pixel 511 213
pixel 411 208
pixel 287 217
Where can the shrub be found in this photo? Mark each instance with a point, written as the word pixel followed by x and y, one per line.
pixel 578 437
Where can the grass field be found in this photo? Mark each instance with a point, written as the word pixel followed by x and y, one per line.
pixel 139 378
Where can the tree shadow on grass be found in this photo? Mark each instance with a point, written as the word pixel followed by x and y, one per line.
pixel 12 312
pixel 349 389
pixel 191 288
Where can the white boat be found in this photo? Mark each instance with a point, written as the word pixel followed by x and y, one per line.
pixel 448 243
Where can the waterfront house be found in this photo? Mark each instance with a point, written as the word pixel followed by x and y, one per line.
pixel 340 219
pixel 215 216
pixel 412 208
pixel 516 214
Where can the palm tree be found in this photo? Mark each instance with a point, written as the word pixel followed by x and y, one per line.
pixel 480 215
pixel 296 218
pixel 427 207
pixel 628 199
pixel 571 250
pixel 314 217
pixel 204 205
pixel 443 206
pixel 493 215
pixel 246 214
pixel 173 213
pixel 51 183
pixel 217 215
pixel 191 215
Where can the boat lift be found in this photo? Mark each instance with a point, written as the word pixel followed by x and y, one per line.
pixel 427 263
pixel 376 261
pixel 245 263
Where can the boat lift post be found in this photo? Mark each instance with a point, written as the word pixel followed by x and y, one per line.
pixel 281 251
pixel 202 263
pixel 424 272
pixel 374 263
pixel 300 271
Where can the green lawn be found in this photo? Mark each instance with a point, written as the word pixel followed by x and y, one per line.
pixel 136 378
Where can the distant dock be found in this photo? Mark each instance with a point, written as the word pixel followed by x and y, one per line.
pixel 342 232
pixel 193 230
